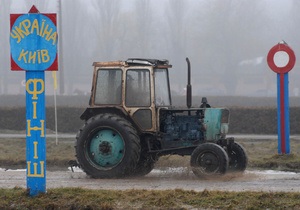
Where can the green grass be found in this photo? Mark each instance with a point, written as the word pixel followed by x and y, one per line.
pixel 78 198
pixel 13 152
pixel 263 154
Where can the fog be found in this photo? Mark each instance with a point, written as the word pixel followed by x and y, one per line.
pixel 227 41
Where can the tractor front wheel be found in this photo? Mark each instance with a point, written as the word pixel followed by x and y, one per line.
pixel 237 158
pixel 208 160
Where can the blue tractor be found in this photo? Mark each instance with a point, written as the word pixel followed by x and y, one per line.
pixel 130 123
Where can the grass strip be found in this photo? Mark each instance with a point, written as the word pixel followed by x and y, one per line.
pixel 78 198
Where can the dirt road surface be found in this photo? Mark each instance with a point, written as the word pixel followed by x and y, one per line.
pixel 178 178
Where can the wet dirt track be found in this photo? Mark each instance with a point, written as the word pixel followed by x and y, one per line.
pixel 181 178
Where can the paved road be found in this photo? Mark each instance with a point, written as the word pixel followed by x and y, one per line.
pixel 161 180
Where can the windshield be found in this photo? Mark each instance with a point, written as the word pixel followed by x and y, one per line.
pixel 108 88
pixel 162 91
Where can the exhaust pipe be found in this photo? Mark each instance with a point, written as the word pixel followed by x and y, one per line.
pixel 189 86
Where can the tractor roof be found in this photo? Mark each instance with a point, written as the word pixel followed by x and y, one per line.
pixel 136 62
pixel 147 62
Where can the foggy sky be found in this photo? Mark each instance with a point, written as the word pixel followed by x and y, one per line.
pixel 227 41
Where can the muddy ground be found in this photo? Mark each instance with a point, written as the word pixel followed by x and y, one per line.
pixel 176 178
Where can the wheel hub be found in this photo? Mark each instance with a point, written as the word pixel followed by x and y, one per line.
pixel 208 162
pixel 105 148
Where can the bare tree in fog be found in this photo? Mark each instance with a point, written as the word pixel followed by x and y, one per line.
pixel 176 11
pixel 74 26
pixel 216 35
pixel 107 28
pixel 292 31
pixel 144 26
pixel 4 43
pixel 232 33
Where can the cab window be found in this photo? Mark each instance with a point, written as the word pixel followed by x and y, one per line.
pixel 138 88
pixel 108 88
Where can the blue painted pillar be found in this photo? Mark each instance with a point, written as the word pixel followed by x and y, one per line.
pixel 33 41
pixel 35 132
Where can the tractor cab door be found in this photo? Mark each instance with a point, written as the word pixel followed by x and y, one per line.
pixel 138 96
pixel 146 90
pixel 137 90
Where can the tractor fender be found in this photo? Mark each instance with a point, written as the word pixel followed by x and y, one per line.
pixel 93 111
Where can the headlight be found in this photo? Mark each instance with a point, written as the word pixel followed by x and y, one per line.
pixel 224 128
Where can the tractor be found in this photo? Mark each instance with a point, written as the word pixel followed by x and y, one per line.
pixel 130 123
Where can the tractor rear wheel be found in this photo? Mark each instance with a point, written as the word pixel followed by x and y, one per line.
pixel 238 159
pixel 208 160
pixel 107 147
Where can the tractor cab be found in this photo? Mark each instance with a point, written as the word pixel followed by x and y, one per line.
pixel 135 88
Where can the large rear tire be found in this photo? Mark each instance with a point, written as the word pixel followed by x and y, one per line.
pixel 238 159
pixel 107 147
pixel 209 160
